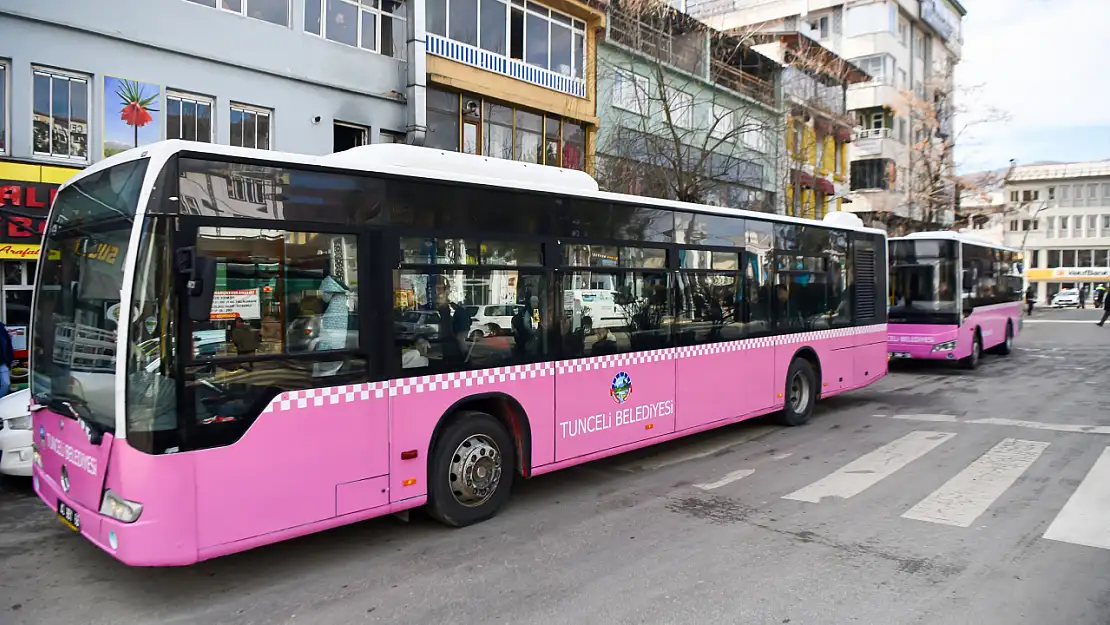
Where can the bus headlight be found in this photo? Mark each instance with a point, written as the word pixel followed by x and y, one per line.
pixel 947 346
pixel 18 423
pixel 36 457
pixel 119 508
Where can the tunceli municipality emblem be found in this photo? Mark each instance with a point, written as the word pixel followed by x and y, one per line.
pixel 622 388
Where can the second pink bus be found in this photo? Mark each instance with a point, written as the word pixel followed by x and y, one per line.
pixel 235 347
pixel 953 297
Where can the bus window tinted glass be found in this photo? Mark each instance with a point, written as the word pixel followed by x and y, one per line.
pixel 706 308
pixel 610 313
pixel 468 319
pixel 709 230
pixel 219 189
pixel 922 279
pixel 801 300
pixel 278 292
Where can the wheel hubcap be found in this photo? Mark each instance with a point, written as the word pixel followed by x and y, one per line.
pixel 475 470
pixel 799 393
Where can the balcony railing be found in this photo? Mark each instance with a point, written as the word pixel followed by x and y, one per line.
pixel 874 133
pixel 663 41
pixel 811 92
pixel 742 82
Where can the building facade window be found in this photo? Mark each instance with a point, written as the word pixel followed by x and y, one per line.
pixel 880 66
pixel 60 116
pixel 250 127
pixel 525 31
pixel 467 123
pixel 188 117
pixel 681 105
pixel 378 26
pixel 721 124
pixel 4 107
pixel 272 11
pixel 630 92
pixel 1050 227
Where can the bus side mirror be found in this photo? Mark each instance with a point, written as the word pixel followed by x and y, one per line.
pixel 199 272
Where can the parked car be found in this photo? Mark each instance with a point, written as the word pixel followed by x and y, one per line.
pixel 16 437
pixel 1065 298
pixel 491 320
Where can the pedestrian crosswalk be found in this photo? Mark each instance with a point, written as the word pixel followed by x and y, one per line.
pixel 971 491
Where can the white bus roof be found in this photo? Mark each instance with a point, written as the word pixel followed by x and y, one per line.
pixel 953 236
pixel 431 163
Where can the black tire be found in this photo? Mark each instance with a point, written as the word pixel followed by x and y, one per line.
pixel 1005 347
pixel 798 403
pixel 445 487
pixel 971 363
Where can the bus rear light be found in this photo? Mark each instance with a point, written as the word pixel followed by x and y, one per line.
pixel 409 482
pixel 119 508
pixel 408 455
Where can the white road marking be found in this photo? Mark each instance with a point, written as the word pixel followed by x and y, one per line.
pixel 1037 425
pixel 966 496
pixel 869 469
pixel 1083 519
pixel 1033 425
pixel 727 479
pixel 937 418
pixel 687 452
pixel 1091 321
pixel 782 456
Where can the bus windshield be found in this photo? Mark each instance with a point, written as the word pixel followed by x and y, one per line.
pixel 923 286
pixel 77 303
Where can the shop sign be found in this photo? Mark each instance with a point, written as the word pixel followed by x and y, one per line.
pixel 31 204
pixel 1070 273
pixel 19 251
pixel 940 17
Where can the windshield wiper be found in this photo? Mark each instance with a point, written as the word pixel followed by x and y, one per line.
pixel 71 406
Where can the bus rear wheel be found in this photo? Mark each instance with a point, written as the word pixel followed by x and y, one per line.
pixel 471 470
pixel 1006 346
pixel 801 394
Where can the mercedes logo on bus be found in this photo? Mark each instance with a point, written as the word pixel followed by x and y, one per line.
pixel 65 480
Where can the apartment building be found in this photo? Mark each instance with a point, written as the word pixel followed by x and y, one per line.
pixel 513 79
pixel 1060 216
pixel 909 48
pixel 687 113
pixel 817 125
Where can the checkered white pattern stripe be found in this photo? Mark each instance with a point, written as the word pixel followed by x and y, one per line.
pixel 318 397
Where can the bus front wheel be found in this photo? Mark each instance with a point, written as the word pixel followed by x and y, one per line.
pixel 971 362
pixel 471 472
pixel 800 395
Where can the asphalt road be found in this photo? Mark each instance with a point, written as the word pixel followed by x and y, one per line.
pixel 922 500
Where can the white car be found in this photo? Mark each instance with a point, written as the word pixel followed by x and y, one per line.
pixel 1066 297
pixel 16 436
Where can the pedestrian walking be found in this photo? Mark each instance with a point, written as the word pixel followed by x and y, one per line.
pixel 7 357
pixel 1082 295
pixel 1030 299
pixel 1105 310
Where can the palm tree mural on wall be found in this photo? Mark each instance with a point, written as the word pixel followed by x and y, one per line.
pixel 130 114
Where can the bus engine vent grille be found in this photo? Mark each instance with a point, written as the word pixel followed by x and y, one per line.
pixel 865 284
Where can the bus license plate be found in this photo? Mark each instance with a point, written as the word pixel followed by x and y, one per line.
pixel 901 355
pixel 69 517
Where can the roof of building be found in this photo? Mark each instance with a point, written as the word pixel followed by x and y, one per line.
pixel 1058 171
pixel 802 45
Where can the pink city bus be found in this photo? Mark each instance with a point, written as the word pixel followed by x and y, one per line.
pixel 952 297
pixel 235 347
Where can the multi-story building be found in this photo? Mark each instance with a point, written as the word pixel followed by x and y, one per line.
pixel 1060 216
pixel 513 79
pixel 687 113
pixel 983 214
pixel 817 128
pixel 901 165
pixel 80 81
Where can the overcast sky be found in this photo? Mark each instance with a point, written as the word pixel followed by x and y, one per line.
pixel 1045 63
